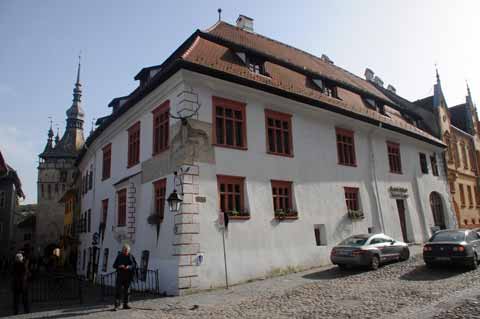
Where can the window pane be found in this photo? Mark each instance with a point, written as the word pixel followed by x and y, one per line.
pixel 279 141
pixel 229 132
pixel 286 142
pixel 237 203
pixel 228 113
pixel 271 141
pixel 219 131
pixel 238 115
pixel 239 134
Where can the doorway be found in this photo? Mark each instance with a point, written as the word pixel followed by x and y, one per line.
pixel 401 215
pixel 437 210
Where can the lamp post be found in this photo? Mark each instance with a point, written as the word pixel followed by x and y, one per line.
pixel 174 201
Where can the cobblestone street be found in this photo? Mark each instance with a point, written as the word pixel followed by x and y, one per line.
pixel 400 290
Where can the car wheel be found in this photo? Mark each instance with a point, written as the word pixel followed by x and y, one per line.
pixel 473 264
pixel 405 254
pixel 375 262
pixel 342 266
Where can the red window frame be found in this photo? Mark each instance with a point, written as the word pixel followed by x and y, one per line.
pixel 394 157
pixel 107 161
pixel 345 147
pixel 282 196
pixel 104 210
pixel 122 207
pixel 231 194
pixel 161 122
pixel 134 145
pixel 278 130
pixel 159 191
pixel 462 195
pixel 352 198
pixel 226 111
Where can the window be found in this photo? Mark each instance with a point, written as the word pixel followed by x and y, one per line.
pixel 477 196
pixel 105 260
pixel 231 195
pixel 89 220
pixel 107 161
pixel 423 163
pixel 90 178
pixel 471 156
pixel 144 265
pixel 463 148
pixel 122 207
pixel 433 161
pixel 104 211
pixel 3 199
pixel 351 199
pixel 462 195
pixel 320 232
pixel 134 144
pixel 394 159
pixel 279 133
pixel 43 190
pixel 456 154
pixel 159 188
pixel 161 116
pixel 229 129
pixel 448 142
pixel 345 147
pixel 255 64
pixel 282 197
pixel 470 197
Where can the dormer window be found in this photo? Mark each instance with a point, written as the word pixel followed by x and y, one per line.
pixel 374 105
pixel 255 64
pixel 326 87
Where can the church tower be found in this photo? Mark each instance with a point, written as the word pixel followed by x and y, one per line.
pixel 56 172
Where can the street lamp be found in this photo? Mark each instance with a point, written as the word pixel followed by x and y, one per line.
pixel 174 201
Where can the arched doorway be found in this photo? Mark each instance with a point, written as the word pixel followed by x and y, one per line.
pixel 437 210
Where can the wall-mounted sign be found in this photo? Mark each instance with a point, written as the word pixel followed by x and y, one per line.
pixel 398 192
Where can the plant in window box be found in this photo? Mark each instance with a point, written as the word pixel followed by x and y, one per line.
pixel 236 213
pixel 284 213
pixel 355 214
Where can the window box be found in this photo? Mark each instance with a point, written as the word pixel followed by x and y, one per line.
pixel 281 214
pixel 238 215
pixel 355 214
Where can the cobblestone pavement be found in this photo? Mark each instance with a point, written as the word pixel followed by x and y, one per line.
pixel 400 290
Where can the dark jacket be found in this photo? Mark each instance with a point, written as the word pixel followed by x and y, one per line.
pixel 125 274
pixel 20 276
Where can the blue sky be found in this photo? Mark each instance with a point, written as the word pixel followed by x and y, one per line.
pixel 400 40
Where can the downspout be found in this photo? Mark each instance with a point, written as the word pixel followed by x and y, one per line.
pixel 374 177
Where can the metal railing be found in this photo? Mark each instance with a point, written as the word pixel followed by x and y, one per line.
pixel 56 287
pixel 145 282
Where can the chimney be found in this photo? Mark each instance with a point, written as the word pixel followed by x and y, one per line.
pixel 378 81
pixel 326 59
pixel 391 88
pixel 245 23
pixel 369 74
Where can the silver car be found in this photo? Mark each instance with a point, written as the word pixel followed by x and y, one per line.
pixel 368 250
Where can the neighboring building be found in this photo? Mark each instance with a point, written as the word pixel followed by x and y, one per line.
pixel 69 241
pixel 299 152
pixel 10 192
pixel 25 227
pixel 56 171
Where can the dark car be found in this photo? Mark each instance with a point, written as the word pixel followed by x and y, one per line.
pixel 453 246
pixel 368 250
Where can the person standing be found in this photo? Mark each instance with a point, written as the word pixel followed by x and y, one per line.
pixel 20 283
pixel 126 266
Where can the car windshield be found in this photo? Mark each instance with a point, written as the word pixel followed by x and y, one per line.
pixel 455 236
pixel 354 241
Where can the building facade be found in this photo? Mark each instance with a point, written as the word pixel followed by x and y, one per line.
pixel 56 171
pixel 298 153
pixel 10 193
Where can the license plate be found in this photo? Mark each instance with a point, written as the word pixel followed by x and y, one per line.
pixel 345 253
pixel 443 258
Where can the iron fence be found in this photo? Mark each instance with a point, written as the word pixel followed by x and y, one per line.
pixel 145 282
pixel 56 287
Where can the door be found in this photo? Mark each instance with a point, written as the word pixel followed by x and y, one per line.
pixel 401 215
pixel 437 210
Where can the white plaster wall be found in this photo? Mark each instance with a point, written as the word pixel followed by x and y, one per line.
pixel 260 245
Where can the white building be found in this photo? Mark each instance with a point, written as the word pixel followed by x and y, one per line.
pixel 274 124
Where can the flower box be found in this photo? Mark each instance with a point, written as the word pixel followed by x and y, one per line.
pixel 281 214
pixel 238 215
pixel 355 214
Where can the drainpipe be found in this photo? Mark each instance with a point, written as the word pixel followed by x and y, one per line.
pixel 374 177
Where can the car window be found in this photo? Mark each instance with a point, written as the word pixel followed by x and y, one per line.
pixel 472 236
pixel 377 241
pixel 354 241
pixel 455 236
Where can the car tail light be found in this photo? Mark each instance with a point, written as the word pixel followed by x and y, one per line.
pixel 459 248
pixel 427 248
pixel 357 252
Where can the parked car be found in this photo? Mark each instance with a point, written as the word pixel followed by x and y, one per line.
pixel 453 246
pixel 368 250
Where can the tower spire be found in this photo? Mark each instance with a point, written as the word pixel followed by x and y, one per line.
pixel 436 71
pixel 75 113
